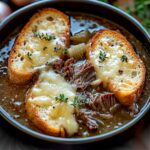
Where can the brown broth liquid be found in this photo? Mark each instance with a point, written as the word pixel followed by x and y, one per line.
pixel 12 97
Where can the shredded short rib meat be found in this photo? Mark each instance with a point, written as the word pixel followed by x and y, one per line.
pixel 57 65
pixel 68 69
pixel 99 107
pixel 80 75
pixel 87 118
pixel 84 74
pixel 104 103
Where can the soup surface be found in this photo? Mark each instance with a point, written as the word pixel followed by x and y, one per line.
pixel 12 97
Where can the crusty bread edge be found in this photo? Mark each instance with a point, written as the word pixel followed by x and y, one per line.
pixel 132 96
pixel 33 115
pixel 20 77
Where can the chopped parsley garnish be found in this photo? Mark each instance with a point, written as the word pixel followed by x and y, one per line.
pixel 79 102
pixel 61 98
pixel 76 102
pixel 29 54
pixel 65 51
pixel 124 58
pixel 102 56
pixel 56 49
pixel 43 36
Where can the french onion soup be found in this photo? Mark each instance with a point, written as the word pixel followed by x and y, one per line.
pixel 72 75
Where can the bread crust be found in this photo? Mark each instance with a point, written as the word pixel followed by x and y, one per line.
pixel 32 112
pixel 125 97
pixel 33 115
pixel 23 77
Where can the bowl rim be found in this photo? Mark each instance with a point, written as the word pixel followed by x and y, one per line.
pixel 107 6
pixel 95 138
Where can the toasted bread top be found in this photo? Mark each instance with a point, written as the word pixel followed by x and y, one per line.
pixel 52 113
pixel 45 36
pixel 116 64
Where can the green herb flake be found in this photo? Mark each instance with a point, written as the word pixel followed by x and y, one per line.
pixel 102 56
pixel 29 54
pixel 43 36
pixel 61 98
pixel 56 49
pixel 65 51
pixel 76 102
pixel 124 58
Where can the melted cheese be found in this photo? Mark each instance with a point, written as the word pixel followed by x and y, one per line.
pixel 41 50
pixel 108 70
pixel 44 93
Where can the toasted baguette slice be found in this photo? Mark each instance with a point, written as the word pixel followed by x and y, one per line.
pixel 117 65
pixel 45 36
pixel 52 117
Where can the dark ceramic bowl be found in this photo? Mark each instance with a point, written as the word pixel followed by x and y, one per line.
pixel 87 6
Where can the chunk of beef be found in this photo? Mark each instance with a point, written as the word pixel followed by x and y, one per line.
pixel 68 69
pixel 104 103
pixel 80 75
pixel 57 66
pixel 84 74
pixel 86 117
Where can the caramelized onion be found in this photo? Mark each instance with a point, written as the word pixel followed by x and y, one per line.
pixel 81 37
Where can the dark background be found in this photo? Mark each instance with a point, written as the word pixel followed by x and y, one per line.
pixel 136 138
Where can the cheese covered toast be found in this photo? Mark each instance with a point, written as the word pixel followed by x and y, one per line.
pixel 45 36
pixel 49 105
pixel 117 65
